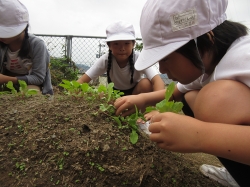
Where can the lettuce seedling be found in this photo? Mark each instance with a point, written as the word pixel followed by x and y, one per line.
pixel 24 91
pixel 11 87
pixel 166 105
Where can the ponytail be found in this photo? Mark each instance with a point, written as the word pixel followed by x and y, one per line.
pixel 25 48
pixel 109 65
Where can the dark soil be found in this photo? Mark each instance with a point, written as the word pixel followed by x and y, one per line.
pixel 69 142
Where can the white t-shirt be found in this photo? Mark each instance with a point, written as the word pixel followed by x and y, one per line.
pixel 17 65
pixel 119 76
pixel 235 65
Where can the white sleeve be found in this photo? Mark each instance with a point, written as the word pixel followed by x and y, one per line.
pixel 196 85
pixel 98 68
pixel 150 72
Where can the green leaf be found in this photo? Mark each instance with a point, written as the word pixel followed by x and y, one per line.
pixel 169 91
pixel 31 92
pixel 110 90
pixel 117 120
pixel 75 84
pixel 85 87
pixel 11 87
pixel 102 88
pixel 133 137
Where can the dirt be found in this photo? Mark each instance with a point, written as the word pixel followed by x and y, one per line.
pixel 69 142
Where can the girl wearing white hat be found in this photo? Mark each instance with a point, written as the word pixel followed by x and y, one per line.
pixel 22 56
pixel 119 63
pixel 209 56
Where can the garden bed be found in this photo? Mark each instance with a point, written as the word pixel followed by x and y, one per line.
pixel 68 141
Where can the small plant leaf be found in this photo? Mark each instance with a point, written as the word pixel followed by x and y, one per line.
pixel 133 137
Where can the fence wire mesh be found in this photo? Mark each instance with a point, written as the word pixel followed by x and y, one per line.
pixel 83 51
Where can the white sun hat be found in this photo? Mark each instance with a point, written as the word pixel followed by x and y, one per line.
pixel 166 25
pixel 14 17
pixel 120 31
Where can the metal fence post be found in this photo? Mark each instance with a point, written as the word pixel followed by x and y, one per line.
pixel 69 48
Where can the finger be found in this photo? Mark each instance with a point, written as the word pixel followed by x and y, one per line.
pixel 121 108
pixel 118 102
pixel 140 121
pixel 156 118
pixel 147 117
pixel 127 112
pixel 154 127
pixel 155 137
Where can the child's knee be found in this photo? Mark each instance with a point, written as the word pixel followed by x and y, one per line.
pixel 223 101
pixel 144 86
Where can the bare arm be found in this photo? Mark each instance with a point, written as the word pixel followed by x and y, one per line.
pixel 6 79
pixel 157 83
pixel 181 133
pixel 84 79
pixel 126 105
pixel 142 101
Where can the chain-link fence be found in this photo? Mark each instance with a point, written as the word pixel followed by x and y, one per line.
pixel 82 50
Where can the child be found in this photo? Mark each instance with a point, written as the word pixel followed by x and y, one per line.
pixel 22 56
pixel 119 63
pixel 209 57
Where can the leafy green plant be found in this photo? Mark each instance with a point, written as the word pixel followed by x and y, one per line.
pixel 166 105
pixel 107 94
pixel 23 89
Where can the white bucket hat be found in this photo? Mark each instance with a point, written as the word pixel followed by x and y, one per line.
pixel 120 31
pixel 14 17
pixel 166 25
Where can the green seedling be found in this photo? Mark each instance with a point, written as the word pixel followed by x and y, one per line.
pixel 99 167
pixel 72 87
pixel 20 166
pixel 24 91
pixel 166 105
pixel 11 87
pixel 60 163
pixel 65 153
pixel 92 163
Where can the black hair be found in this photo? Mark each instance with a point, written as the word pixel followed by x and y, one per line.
pixel 224 35
pixel 25 48
pixel 131 64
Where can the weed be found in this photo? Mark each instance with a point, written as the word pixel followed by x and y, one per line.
pixel 99 167
pixel 20 166
pixel 65 153
pixel 60 163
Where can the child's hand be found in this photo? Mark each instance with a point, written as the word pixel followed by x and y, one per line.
pixel 126 105
pixel 147 116
pixel 175 132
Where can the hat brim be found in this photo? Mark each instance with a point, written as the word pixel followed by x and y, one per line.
pixel 149 57
pixel 118 37
pixel 9 32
